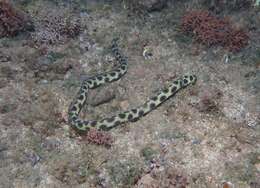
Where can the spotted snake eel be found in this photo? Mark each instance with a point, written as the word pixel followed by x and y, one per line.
pixel 132 115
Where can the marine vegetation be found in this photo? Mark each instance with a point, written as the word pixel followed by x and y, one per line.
pixel 211 30
pixel 12 20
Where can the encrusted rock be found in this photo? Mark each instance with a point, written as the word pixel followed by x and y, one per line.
pixel 102 97
pixel 148 5
pixel 219 6
pixel 152 5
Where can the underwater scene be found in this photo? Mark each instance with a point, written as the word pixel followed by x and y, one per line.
pixel 129 93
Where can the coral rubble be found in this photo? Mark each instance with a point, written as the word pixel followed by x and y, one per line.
pixel 56 27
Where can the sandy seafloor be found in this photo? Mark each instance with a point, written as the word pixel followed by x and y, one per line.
pixel 205 136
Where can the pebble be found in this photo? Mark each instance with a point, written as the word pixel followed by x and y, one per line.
pixel 227 185
pixel 257 166
pixel 44 81
pixel 8 107
pixel 3 83
pixel 102 97
pixel 124 105
pixel 195 141
pixel 33 158
pixel 153 5
pixel 4 58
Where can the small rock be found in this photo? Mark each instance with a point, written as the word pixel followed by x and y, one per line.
pixel 3 148
pixel 44 81
pixel 153 5
pixel 147 53
pixel 209 100
pixel 195 141
pixel 227 185
pixel 125 172
pixel 148 182
pixel 44 61
pixel 4 58
pixel 257 166
pixel 252 120
pixel 5 108
pixel 7 72
pixel 3 83
pixel 33 158
pixel 51 144
pixel 102 97
pixel 148 153
pixel 54 56
pixel 124 105
pixel 219 6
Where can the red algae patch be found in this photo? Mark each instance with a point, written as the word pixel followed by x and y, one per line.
pixel 12 20
pixel 211 30
pixel 98 137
